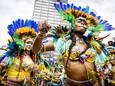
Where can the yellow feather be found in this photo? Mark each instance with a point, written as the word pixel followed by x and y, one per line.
pixel 96 45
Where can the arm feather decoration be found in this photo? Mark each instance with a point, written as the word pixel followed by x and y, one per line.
pixel 96 45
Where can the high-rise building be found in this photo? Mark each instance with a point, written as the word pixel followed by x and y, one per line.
pixel 44 10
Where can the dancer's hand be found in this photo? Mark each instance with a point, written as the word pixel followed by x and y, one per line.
pixel 44 27
pixel 62 30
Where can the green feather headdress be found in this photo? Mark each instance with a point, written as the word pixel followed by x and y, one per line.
pixel 17 30
pixel 70 12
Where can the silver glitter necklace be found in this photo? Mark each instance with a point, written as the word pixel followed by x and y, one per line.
pixel 80 40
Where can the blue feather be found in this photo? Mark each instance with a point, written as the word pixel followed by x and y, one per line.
pixel 19 20
pixel 75 7
pixel 108 28
pixel 72 5
pixel 55 5
pixel 113 28
pixel 99 17
pixel 79 8
pixel 83 9
pixel 26 22
pixel 29 23
pixel 2 58
pixel 36 27
pixel 22 23
pixel 61 5
pixel 93 14
pixel 12 45
pixel 105 21
pixel 10 33
pixel 68 6
pixel 65 7
pixel 17 25
pixel 58 7
pixel 100 21
pixel 87 9
pixel 8 53
pixel 14 25
pixel 32 23
pixel 11 29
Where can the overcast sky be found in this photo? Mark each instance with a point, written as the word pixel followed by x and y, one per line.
pixel 14 9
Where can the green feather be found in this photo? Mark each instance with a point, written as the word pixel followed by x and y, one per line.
pixel 19 41
pixel 47 65
pixel 68 17
pixel 98 28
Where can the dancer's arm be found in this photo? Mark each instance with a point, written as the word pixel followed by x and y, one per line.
pixel 38 43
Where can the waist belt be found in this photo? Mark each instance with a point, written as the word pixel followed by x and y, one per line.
pixel 75 81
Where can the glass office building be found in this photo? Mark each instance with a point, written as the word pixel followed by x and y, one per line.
pixel 44 10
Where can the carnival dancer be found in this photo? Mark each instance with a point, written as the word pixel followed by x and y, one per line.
pixel 18 61
pixel 82 55
pixel 82 19
pixel 50 66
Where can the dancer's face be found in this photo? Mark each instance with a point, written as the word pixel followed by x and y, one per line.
pixel 80 26
pixel 28 44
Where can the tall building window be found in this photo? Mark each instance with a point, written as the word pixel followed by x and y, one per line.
pixel 44 10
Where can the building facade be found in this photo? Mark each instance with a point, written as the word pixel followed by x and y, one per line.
pixel 44 10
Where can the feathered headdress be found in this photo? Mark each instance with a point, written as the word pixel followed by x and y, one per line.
pixel 17 30
pixel 70 12
pixel 23 27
